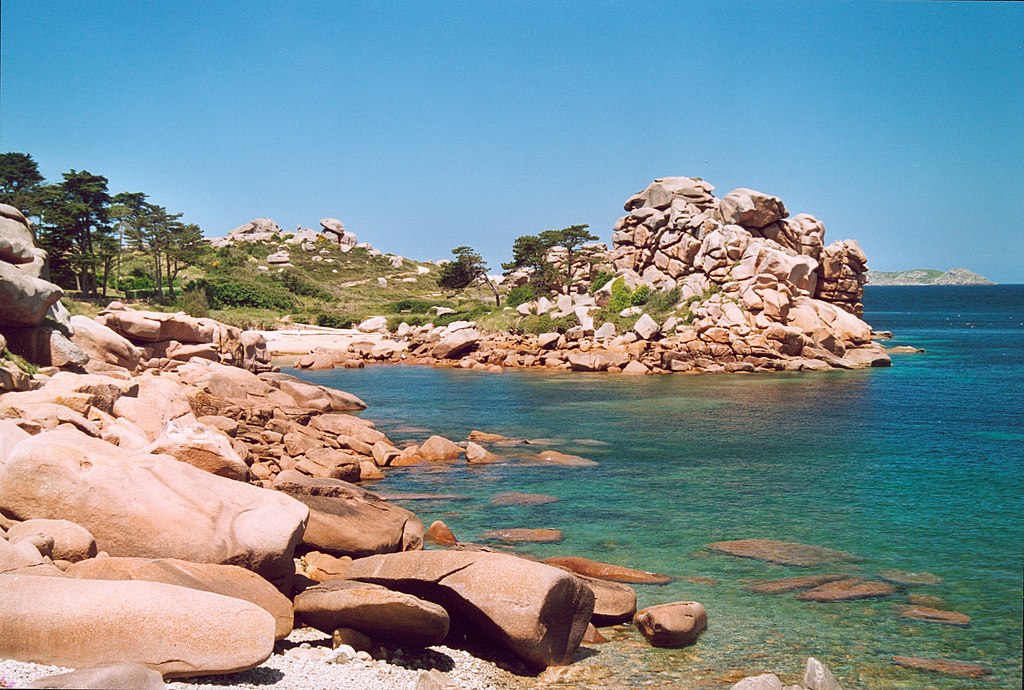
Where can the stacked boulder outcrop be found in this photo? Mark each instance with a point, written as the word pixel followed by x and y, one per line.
pixel 33 324
pixel 163 337
pixel 677 233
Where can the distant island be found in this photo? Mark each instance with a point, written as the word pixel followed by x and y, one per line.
pixel 927 276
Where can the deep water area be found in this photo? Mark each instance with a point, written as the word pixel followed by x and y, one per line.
pixel 916 468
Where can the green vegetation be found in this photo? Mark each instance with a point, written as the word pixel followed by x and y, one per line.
pixel 106 246
pixel 468 268
pixel 20 362
pixel 531 252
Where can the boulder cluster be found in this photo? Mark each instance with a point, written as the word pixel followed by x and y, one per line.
pixel 33 324
pixel 183 514
pixel 678 232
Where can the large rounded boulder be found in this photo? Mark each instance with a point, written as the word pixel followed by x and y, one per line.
pixel 151 506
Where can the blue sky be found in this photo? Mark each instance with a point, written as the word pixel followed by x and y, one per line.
pixel 424 126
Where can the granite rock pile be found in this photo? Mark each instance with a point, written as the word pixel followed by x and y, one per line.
pixel 677 233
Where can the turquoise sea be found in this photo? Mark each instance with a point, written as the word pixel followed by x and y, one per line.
pixel 918 468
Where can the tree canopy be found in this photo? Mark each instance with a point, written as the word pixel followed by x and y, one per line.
pixel 468 268
pixel 533 252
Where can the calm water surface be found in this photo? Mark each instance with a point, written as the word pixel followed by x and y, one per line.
pixel 915 468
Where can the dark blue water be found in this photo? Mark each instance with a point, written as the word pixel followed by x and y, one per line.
pixel 916 468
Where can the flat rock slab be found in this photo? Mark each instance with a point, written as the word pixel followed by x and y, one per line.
pixel 781 552
pixel 608 571
pixel 517 535
pixel 898 577
pixel 848 590
pixel 793 584
pixel 553 457
pixel 948 667
pixel 516 498
pixel 926 614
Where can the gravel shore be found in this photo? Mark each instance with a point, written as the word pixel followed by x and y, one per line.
pixel 303 660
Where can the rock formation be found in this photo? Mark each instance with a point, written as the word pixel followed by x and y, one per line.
pixel 678 234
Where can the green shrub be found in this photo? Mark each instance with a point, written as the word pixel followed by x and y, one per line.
pixel 411 306
pixel 543 323
pixel 226 292
pixel 20 362
pixel 600 280
pixel 297 284
pixel 519 295
pixel 412 319
pixel 640 295
pixel 471 315
pixel 336 320
pixel 622 296
pixel 194 303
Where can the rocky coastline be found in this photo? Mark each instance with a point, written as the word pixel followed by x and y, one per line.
pixel 756 291
pixel 191 512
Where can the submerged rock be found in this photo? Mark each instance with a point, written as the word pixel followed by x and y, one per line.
pixel 516 535
pixel 607 571
pixel 927 614
pixel 847 590
pixel 792 584
pixel 781 552
pixel 516 498
pixel 672 625
pixel 947 667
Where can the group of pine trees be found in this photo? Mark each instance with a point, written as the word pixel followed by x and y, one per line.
pixel 85 229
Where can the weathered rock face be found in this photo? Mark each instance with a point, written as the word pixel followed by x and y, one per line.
pixel 25 299
pixel 536 611
pixel 104 344
pixel 151 505
pixel 187 440
pixel 16 241
pixel 229 580
pixel 176 631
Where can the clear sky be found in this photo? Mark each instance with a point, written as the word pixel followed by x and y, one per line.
pixel 427 125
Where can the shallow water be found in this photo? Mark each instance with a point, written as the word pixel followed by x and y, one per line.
pixel 914 468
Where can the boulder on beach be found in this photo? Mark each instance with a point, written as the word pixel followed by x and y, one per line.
pixel 535 611
pixel 229 580
pixel 781 552
pixel 187 440
pixel 374 610
pixel 177 631
pixel 347 520
pixel 68 541
pixel 672 625
pixel 118 676
pixel 151 506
